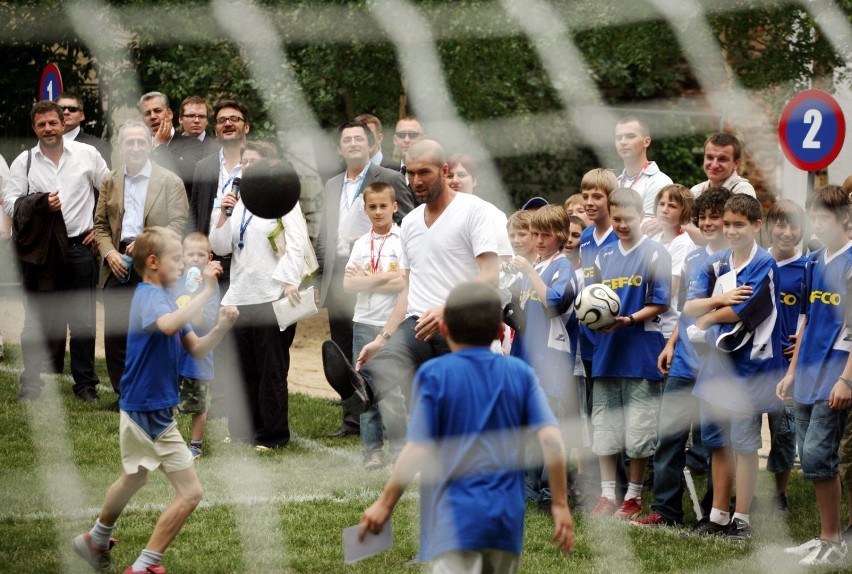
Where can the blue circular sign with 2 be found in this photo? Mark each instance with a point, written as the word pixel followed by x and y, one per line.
pixel 812 129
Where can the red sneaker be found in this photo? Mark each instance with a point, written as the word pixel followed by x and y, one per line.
pixel 653 519
pixel 604 507
pixel 156 569
pixel 630 509
pixel 98 558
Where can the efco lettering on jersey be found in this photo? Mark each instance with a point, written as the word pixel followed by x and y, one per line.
pixel 789 299
pixel 825 297
pixel 619 282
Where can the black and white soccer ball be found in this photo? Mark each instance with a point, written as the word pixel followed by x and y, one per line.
pixel 597 306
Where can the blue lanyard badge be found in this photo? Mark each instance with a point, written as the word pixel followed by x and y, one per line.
pixel 244 223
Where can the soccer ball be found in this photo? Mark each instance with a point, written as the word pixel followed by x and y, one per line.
pixel 597 306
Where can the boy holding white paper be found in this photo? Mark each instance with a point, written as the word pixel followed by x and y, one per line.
pixel 471 411
pixel 373 273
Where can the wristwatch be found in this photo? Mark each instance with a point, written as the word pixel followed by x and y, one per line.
pixel 632 320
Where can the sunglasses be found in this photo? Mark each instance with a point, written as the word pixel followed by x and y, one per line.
pixel 72 109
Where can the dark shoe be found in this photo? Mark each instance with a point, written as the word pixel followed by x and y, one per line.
pixel 29 394
pixel 544 506
pixel 112 407
pixel 344 379
pixel 706 527
pixel 780 505
pixel 739 530
pixel 88 395
pixel 342 432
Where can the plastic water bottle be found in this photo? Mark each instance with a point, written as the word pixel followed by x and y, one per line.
pixel 192 282
pixel 128 263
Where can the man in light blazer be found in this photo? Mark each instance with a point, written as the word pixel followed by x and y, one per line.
pixel 344 221
pixel 138 194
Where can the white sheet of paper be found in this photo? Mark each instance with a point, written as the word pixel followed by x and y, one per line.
pixel 353 551
pixel 287 314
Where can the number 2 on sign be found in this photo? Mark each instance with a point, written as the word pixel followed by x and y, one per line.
pixel 814 118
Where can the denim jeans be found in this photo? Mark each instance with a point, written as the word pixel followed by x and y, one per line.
pixel 679 412
pixel 392 371
pixel 818 432
pixel 372 421
pixel 782 429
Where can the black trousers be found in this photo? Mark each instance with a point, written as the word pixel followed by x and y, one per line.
pixel 50 316
pixel 341 308
pixel 116 298
pixel 260 415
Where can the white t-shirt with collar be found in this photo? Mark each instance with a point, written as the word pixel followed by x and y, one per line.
pixel 386 253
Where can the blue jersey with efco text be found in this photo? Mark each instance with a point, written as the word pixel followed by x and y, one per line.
pixel 640 276
pixel 589 248
pixel 687 358
pixel 743 380
pixel 791 278
pixel 827 341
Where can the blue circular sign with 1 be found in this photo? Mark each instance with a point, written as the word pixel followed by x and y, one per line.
pixel 50 85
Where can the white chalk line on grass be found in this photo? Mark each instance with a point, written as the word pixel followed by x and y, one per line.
pixel 207 502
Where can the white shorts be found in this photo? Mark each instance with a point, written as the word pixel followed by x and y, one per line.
pixel 486 561
pixel 139 450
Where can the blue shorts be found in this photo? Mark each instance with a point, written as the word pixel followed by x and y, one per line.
pixel 782 429
pixel 818 432
pixel 721 428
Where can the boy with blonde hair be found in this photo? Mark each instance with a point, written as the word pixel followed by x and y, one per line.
pixel 148 434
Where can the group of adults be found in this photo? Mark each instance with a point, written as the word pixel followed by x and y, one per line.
pixel 75 221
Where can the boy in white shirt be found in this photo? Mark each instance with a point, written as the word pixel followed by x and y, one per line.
pixel 373 273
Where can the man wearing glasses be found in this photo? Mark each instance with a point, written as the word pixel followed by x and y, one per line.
pixel 177 154
pixel 72 109
pixel 408 132
pixel 194 113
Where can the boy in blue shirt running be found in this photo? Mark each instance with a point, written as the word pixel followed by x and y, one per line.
pixel 471 410
pixel 148 434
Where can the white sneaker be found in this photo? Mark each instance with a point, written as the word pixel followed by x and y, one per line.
pixel 826 553
pixel 804 549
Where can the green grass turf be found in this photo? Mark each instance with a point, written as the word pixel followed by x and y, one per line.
pixel 284 510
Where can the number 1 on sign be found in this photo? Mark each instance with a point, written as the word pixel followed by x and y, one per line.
pixel 814 118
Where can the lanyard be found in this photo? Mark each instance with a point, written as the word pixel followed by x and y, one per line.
pixel 244 223
pixel 635 179
pixel 234 173
pixel 376 259
pixel 360 187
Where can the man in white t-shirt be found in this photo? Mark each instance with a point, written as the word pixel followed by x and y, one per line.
pixel 447 240
pixel 722 155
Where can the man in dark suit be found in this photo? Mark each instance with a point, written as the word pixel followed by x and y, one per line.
pixel 343 222
pixel 134 196
pixel 376 155
pixel 177 154
pixel 72 110
pixel 193 119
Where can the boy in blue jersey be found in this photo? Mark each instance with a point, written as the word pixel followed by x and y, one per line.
pixel 471 410
pixel 627 387
pixel 784 220
pixel 547 292
pixel 820 372
pixel 595 189
pixel 196 374
pixel 735 301
pixel 148 434
pixel 680 361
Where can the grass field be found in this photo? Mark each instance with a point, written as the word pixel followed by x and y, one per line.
pixel 284 511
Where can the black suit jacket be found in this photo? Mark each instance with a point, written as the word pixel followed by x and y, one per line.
pixel 180 156
pixel 205 181
pixel 104 148
pixel 327 238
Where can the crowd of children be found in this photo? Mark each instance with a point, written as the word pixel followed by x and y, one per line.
pixel 709 324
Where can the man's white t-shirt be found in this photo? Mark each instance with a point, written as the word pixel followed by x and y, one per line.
pixel 648 184
pixel 444 255
pixel 735 184
pixel 679 248
pixel 384 253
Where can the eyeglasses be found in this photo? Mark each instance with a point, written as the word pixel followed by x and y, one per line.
pixel 72 109
pixel 225 119
pixel 194 117
pixel 409 135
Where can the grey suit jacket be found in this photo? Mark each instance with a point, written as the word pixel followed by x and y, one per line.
pixel 165 205
pixel 327 238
